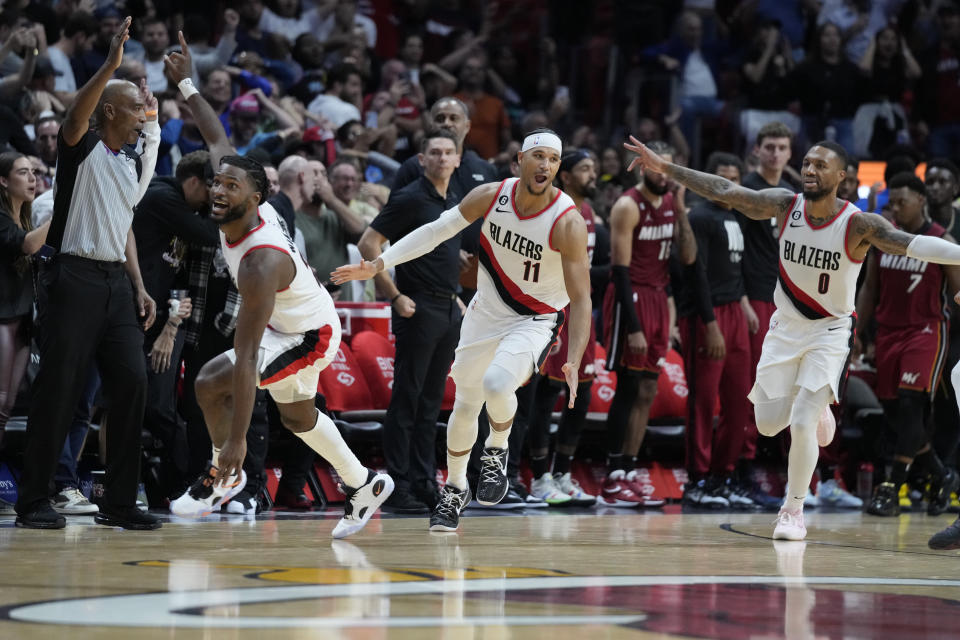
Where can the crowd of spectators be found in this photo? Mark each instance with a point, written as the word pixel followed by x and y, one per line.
pixel 348 88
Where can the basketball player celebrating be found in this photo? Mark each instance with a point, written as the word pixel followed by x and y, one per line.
pixel 823 242
pixel 533 258
pixel 644 223
pixel 906 295
pixel 287 332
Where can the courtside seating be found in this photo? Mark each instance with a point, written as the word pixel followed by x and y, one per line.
pixel 375 355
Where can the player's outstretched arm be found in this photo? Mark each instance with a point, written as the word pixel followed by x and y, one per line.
pixel 759 205
pixel 258 279
pixel 422 240
pixel 871 229
pixel 180 65
pixel 570 238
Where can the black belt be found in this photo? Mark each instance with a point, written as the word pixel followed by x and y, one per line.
pixel 434 293
pixel 80 261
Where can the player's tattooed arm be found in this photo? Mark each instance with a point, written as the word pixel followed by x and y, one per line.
pixel 759 205
pixel 871 229
pixel 683 236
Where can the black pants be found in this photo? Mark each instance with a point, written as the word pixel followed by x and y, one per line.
pixel 87 314
pixel 160 417
pixel 426 342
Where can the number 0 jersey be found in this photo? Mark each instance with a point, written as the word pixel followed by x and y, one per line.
pixel 302 306
pixel 818 278
pixel 521 272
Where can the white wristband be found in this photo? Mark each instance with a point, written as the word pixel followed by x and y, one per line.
pixel 186 88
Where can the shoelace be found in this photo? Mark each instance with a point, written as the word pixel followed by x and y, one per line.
pixel 347 500
pixel 491 471
pixel 447 507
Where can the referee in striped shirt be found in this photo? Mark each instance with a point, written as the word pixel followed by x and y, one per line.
pixel 91 294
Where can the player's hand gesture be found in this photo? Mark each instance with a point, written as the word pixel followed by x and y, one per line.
pixel 363 271
pixel 646 159
pixel 570 371
pixel 179 65
pixel 115 56
pixel 231 460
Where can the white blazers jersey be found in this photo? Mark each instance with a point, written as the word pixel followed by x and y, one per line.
pixel 521 272
pixel 818 278
pixel 302 306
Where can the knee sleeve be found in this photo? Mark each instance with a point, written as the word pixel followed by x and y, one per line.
pixel 462 427
pixel 772 416
pixel 807 408
pixel 499 391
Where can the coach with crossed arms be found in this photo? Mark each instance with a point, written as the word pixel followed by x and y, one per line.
pixel 92 300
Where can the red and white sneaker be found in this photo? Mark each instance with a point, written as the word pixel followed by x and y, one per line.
pixel 617 492
pixel 826 427
pixel 644 491
pixel 790 525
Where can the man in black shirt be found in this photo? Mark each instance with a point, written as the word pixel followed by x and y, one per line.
pixel 760 259
pixel 451 114
pixel 165 220
pixel 426 321
pixel 716 349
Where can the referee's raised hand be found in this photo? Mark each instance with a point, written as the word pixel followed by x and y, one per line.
pixel 115 56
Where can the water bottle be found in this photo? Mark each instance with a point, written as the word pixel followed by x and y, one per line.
pixel 865 481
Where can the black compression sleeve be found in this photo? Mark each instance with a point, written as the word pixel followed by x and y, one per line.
pixel 624 291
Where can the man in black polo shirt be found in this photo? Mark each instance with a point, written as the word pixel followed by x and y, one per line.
pixel 426 321
pixel 165 221
pixel 92 293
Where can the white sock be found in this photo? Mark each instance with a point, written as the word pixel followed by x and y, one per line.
pixel 215 460
pixel 498 439
pixel 457 470
pixel 327 441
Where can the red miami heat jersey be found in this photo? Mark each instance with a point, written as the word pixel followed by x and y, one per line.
pixel 818 278
pixel 653 237
pixel 913 293
pixel 587 212
pixel 521 272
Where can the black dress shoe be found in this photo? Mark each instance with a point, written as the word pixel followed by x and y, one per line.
pixel 427 493
pixel 41 515
pixel 126 517
pixel 401 501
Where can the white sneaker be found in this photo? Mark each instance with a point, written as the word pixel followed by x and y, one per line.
pixel 361 503
pixel 72 503
pixel 790 525
pixel 547 490
pixel 205 495
pixel 832 494
pixel 242 504
pixel 578 497
pixel 826 427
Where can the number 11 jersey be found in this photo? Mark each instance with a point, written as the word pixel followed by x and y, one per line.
pixel 652 240
pixel 818 277
pixel 520 268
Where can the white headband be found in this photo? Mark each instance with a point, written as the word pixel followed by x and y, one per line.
pixel 549 140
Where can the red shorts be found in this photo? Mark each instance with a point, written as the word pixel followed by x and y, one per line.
pixel 910 359
pixel 651 308
pixel 553 365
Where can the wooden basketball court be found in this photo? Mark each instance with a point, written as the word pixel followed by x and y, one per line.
pixel 592 574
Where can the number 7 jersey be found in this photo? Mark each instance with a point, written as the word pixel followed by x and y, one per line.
pixel 818 277
pixel 520 269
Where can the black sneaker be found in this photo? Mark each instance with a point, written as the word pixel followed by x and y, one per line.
pixel 940 489
pixel 519 490
pixel 41 516
pixel 401 501
pixel 126 517
pixel 885 501
pixel 493 484
pixel 244 503
pixel 949 538
pixel 446 516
